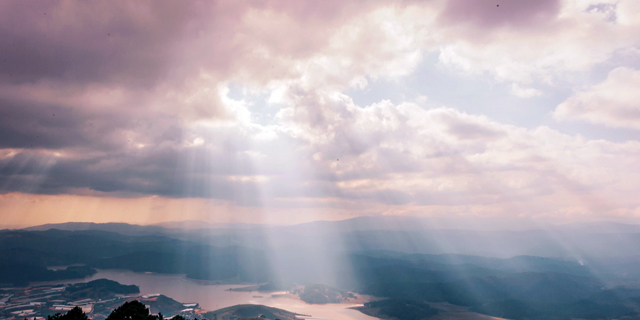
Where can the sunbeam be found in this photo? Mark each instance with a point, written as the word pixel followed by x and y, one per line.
pixel 405 160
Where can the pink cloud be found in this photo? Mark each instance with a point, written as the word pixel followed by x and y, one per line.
pixel 488 14
pixel 143 105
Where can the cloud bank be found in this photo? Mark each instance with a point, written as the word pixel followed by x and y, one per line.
pixel 252 106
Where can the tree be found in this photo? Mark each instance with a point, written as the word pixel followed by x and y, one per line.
pixel 73 314
pixel 131 310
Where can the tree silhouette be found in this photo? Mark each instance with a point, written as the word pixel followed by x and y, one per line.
pixel 73 314
pixel 131 310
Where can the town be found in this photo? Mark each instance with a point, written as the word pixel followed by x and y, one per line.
pixel 96 298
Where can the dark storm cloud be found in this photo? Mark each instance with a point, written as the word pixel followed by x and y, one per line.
pixel 87 46
pixel 132 145
pixel 151 171
pixel 142 42
pixel 90 41
pixel 486 14
pixel 26 124
pixel 29 125
pixel 111 171
pixel 61 149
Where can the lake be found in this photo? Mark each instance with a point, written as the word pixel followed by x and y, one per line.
pixel 215 296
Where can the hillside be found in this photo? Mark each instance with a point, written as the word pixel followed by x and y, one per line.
pixel 248 311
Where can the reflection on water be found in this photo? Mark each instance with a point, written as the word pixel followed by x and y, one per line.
pixel 214 296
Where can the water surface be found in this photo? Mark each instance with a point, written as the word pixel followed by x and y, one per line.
pixel 212 296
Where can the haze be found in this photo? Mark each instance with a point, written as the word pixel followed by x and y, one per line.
pixel 374 159
pixel 283 112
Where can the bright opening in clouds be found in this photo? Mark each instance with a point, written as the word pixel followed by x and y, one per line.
pixel 351 160
pixel 285 112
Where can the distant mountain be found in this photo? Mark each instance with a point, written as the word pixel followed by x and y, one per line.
pixel 123 228
pixel 196 224
pixel 368 223
pixel 394 223
pixel 600 227
pixel 579 242
pixel 159 228
pixel 518 286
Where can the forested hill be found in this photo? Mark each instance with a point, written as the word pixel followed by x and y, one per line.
pixel 522 286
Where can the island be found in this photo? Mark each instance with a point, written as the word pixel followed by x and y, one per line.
pixel 99 298
pixel 250 311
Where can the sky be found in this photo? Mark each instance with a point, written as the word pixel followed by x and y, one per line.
pixel 290 111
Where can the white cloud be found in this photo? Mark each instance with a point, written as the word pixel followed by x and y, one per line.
pixel 443 160
pixel 614 102
pixel 524 92
pixel 572 40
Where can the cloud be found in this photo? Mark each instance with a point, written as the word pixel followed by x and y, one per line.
pixel 248 103
pixel 524 92
pixel 487 14
pixel 36 125
pixel 427 159
pixel 540 41
pixel 614 102
pixel 59 41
